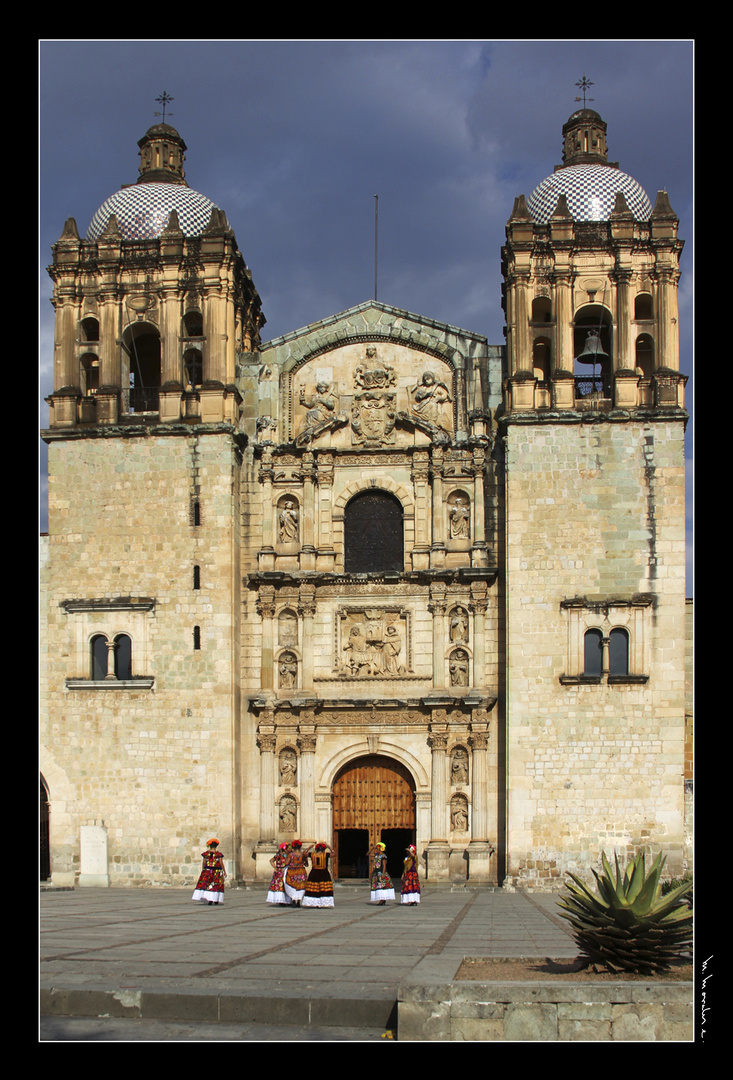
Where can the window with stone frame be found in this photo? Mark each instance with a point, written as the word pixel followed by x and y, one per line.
pixel 373 533
pixel 608 640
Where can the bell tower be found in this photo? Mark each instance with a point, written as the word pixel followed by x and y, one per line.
pixel 592 456
pixel 156 311
pixel 153 305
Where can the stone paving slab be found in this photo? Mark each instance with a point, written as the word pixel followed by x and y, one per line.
pixel 153 953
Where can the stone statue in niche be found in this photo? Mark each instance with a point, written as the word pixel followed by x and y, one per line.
pixel 288 671
pixel 458 814
pixel 322 411
pixel 288 814
pixel 288 521
pixel 459 625
pixel 288 768
pixel 459 519
pixel 459 767
pixel 458 668
pixel 428 400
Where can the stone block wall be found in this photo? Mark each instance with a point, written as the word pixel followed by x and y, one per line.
pixel 150 759
pixel 595 513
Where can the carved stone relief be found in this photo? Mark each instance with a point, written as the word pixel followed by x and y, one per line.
pixel 373 642
pixel 373 411
pixel 321 411
pixel 428 402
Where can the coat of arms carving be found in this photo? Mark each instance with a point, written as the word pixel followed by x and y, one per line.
pixel 373 410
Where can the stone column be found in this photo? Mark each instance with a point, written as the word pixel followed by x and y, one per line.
pixel 326 555
pixel 624 359
pixel 266 610
pixel 266 554
pixel 438 858
pixel 421 488
pixel 479 605
pixel 437 545
pixel 437 605
pixel 308 517
pixel 480 848
pixel 667 348
pixel 306 776
pixel 307 611
pixel 563 356
pixel 522 359
pixel 479 553
pixel 266 741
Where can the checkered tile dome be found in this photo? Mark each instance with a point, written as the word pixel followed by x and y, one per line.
pixel 142 211
pixel 591 194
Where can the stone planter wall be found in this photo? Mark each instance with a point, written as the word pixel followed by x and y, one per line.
pixel 430 1009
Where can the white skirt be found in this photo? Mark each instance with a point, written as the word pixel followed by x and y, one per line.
pixel 318 901
pixel 381 894
pixel 294 894
pixel 410 898
pixel 277 898
pixel 205 896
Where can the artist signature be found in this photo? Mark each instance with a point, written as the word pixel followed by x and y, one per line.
pixel 704 1006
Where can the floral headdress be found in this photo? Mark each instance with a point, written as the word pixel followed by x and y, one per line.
pixel 212 843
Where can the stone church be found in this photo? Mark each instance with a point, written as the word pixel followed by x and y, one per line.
pixel 375 579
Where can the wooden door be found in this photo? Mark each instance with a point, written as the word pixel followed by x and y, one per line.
pixel 375 794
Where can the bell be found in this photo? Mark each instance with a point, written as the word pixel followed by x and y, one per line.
pixel 593 351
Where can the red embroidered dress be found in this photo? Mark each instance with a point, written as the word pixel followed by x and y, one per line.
pixel 295 876
pixel 410 882
pixel 276 893
pixel 210 885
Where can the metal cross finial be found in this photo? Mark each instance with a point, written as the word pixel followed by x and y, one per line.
pixel 584 85
pixel 165 98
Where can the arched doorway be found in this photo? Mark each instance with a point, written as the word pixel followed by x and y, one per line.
pixel 373 800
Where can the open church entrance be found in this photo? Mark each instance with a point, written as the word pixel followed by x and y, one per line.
pixel 373 801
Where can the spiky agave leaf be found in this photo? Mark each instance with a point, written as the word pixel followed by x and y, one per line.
pixel 626 925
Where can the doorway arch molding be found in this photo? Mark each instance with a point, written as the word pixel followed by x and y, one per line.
pixel 381 483
pixel 385 749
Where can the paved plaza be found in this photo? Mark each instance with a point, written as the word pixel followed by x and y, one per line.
pixel 153 954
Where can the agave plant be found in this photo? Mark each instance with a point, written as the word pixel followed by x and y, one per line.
pixel 628 925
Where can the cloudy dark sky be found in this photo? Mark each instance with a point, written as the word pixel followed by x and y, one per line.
pixel 294 139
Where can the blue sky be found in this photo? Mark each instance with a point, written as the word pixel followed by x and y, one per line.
pixel 294 138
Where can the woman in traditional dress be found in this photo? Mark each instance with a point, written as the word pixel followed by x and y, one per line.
pixel 410 880
pixel 279 861
pixel 319 886
pixel 295 873
pixel 382 889
pixel 210 885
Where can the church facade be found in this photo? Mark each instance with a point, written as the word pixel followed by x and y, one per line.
pixel 375 579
